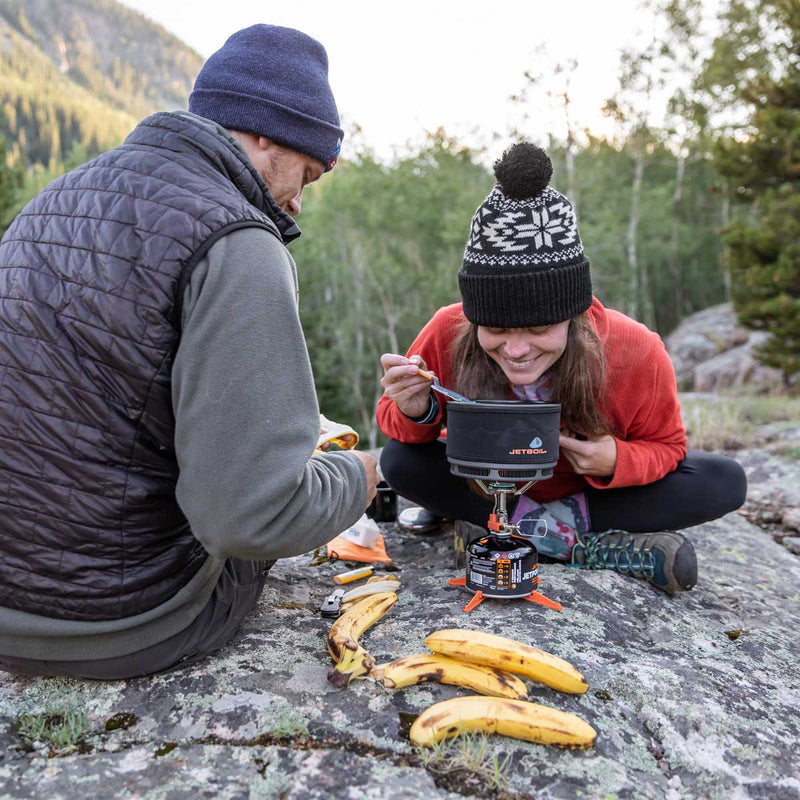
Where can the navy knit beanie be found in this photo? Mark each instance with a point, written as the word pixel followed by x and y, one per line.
pixel 524 264
pixel 273 82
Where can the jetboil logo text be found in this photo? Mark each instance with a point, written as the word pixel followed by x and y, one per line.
pixel 533 449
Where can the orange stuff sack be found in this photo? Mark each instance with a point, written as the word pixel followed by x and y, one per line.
pixel 347 551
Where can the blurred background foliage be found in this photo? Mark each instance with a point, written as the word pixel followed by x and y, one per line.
pixel 676 214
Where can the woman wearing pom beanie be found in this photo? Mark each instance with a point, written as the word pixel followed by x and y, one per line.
pixel 529 327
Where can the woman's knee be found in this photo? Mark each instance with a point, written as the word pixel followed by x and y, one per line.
pixel 736 481
pixel 393 464
pixel 405 465
pixel 723 480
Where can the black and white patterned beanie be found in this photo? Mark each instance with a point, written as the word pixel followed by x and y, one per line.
pixel 524 264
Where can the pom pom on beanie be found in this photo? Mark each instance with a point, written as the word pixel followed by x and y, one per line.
pixel 524 171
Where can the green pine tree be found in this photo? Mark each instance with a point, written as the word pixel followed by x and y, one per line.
pixel 12 180
pixel 764 169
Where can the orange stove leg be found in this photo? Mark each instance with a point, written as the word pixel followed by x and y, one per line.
pixel 537 597
pixel 477 599
pixel 457 582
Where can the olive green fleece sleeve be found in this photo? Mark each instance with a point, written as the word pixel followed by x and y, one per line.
pixel 246 413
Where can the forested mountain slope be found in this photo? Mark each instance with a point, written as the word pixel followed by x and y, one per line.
pixel 75 76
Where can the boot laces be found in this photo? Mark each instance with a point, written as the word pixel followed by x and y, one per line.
pixel 622 556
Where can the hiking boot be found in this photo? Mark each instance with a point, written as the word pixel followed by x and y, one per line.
pixel 666 559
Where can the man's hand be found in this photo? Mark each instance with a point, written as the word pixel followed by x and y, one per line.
pixel 596 457
pixel 371 466
pixel 402 383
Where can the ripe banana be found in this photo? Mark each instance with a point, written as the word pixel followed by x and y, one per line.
pixel 411 670
pixel 498 651
pixel 530 721
pixel 351 658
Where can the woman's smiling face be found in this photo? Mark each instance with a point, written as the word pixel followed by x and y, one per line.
pixel 524 354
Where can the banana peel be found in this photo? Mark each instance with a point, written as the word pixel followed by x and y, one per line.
pixel 351 660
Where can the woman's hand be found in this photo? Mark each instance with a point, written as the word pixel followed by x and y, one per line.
pixel 596 457
pixel 402 383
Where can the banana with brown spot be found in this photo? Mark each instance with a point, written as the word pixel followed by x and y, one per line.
pixel 507 654
pixel 415 669
pixel 516 718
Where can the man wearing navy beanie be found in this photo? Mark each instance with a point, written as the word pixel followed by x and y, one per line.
pixel 284 97
pixel 159 413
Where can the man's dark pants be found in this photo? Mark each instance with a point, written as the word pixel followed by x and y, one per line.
pixel 234 597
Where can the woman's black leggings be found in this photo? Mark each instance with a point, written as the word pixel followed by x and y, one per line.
pixel 702 487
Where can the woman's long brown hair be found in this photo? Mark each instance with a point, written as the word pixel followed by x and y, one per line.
pixel 577 376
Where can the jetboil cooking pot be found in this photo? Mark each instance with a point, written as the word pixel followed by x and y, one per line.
pixel 502 440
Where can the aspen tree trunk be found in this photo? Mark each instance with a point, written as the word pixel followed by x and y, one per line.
pixel 725 213
pixel 372 436
pixel 572 186
pixel 633 224
pixel 641 301
pixel 681 303
pixel 391 317
pixel 357 362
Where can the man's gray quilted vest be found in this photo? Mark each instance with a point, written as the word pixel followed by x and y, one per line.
pixel 91 275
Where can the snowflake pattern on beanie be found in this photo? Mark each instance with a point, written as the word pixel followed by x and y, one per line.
pixel 524 264
pixel 541 231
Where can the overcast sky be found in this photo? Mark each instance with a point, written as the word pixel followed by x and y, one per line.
pixel 398 69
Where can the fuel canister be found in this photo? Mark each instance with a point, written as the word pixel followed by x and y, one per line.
pixel 502 566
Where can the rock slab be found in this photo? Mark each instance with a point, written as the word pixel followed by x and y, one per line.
pixel 696 696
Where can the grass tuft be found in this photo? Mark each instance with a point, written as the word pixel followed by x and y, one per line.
pixel 729 422
pixel 715 425
pixel 467 753
pixel 63 729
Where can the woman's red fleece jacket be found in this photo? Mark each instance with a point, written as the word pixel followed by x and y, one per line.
pixel 640 401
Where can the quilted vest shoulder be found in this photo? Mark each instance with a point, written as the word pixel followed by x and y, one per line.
pixel 91 273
